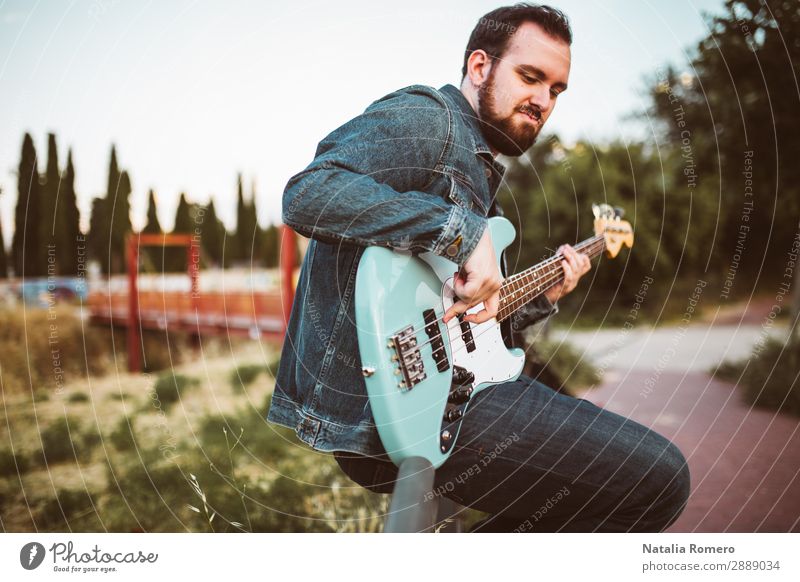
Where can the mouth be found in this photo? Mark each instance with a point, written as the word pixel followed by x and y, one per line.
pixel 533 115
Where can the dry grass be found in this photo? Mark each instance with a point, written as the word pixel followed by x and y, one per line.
pixel 126 460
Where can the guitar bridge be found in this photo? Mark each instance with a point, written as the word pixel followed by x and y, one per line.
pixel 408 357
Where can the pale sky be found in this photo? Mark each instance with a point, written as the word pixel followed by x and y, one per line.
pixel 193 92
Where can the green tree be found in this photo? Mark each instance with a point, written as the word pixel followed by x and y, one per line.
pixel 239 243
pixel 175 257
pixel 51 184
pixel 737 118
pixel 152 257
pixel 253 252
pixel 99 233
pixel 28 260
pixel 270 246
pixel 212 234
pixel 3 258
pixel 153 226
pixel 68 231
pixel 120 222
pixel 184 217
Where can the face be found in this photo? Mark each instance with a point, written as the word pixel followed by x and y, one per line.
pixel 519 91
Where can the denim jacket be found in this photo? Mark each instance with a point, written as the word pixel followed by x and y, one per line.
pixel 413 172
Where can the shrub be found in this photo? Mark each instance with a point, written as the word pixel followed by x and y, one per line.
pixel 59 439
pixel 770 380
pixel 28 357
pixel 61 513
pixel 145 495
pixel 560 366
pixel 78 397
pixel 245 375
pixel 170 387
pixel 12 463
pixel 123 437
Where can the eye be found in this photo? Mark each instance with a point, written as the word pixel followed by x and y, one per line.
pixel 530 80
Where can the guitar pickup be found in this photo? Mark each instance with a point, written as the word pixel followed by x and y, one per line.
pixel 466 333
pixel 434 332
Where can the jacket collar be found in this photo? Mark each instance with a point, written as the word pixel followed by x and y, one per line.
pixel 470 117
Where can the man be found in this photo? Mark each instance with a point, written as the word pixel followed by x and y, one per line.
pixel 416 171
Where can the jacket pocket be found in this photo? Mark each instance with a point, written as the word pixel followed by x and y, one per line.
pixel 463 194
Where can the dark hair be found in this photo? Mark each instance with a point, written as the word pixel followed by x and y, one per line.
pixel 496 28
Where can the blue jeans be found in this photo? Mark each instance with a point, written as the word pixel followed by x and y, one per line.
pixel 537 460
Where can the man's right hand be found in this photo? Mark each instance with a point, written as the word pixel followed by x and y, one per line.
pixel 478 281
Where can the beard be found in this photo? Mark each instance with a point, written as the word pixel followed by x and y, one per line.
pixel 504 134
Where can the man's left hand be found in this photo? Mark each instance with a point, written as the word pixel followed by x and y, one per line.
pixel 575 266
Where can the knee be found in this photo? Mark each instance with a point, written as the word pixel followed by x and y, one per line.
pixel 672 485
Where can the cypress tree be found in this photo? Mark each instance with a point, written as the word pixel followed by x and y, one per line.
pixel 153 226
pixel 99 230
pixel 68 230
pixel 175 257
pixel 120 223
pixel 152 258
pixel 50 191
pixel 184 217
pixel 239 244
pixel 212 232
pixel 253 252
pixel 3 259
pixel 25 249
pixel 270 246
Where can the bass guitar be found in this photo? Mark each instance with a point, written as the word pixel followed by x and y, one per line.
pixel 421 373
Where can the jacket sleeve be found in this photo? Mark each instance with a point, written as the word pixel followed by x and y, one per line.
pixel 367 183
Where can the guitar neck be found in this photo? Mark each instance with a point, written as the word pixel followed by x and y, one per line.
pixel 522 288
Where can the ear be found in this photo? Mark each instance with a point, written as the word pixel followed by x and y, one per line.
pixel 478 66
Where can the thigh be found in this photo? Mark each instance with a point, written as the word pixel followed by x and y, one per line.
pixel 524 448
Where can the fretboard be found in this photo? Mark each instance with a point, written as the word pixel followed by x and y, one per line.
pixel 525 286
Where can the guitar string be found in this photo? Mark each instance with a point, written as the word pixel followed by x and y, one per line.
pixel 551 279
pixel 550 282
pixel 547 264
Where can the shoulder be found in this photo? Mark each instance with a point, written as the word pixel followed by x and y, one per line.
pixel 414 95
pixel 421 107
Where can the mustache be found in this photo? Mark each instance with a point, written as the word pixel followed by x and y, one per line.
pixel 533 111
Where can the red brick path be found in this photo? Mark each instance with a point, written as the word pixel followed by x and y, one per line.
pixel 745 462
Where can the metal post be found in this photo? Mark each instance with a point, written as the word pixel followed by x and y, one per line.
pixel 287 257
pixel 134 356
pixel 413 507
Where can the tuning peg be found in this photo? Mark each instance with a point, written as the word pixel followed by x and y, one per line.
pixel 619 212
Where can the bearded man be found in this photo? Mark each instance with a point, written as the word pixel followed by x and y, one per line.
pixel 417 172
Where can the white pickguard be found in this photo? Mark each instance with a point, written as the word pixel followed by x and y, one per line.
pixel 491 361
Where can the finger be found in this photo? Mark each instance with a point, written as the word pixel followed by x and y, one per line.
pixel 569 276
pixel 455 310
pixel 490 307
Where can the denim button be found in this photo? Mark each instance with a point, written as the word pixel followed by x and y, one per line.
pixel 453 248
pixel 488 172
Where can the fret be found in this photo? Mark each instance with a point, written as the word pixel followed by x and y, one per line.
pixel 520 289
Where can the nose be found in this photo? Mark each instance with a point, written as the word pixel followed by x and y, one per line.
pixel 540 99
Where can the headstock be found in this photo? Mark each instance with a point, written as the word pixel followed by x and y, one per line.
pixel 608 222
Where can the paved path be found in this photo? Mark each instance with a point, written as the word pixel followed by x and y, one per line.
pixel 745 462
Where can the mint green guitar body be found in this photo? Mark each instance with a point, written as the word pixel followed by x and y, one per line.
pixel 400 300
